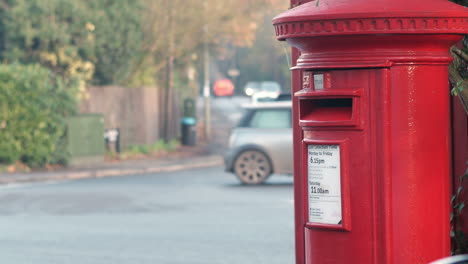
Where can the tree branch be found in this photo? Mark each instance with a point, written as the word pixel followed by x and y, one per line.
pixel 459 52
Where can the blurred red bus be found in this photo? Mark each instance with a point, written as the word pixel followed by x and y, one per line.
pixel 223 87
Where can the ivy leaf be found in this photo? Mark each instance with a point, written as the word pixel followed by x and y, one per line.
pixel 452 216
pixel 464 177
pixel 461 207
pixel 453 199
pixel 459 190
pixel 458 88
pixel 452 234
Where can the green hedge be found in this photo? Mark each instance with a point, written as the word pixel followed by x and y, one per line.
pixel 33 107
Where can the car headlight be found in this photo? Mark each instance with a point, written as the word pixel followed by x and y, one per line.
pixel 249 91
pixel 232 139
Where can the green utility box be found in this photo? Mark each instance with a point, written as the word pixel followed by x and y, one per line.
pixel 85 135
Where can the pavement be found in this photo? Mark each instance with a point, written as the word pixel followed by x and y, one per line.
pixel 183 159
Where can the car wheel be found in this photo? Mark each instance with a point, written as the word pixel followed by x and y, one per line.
pixel 252 167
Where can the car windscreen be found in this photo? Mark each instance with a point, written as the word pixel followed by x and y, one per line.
pixel 270 87
pixel 267 118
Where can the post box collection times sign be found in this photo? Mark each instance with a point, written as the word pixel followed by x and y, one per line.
pixel 324 184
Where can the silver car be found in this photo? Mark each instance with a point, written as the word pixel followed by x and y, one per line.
pixel 262 143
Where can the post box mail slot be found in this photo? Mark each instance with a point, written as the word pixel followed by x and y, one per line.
pixel 326 111
pixel 331 107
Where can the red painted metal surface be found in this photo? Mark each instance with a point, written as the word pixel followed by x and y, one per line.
pixel 384 99
pixel 359 16
pixel 299 203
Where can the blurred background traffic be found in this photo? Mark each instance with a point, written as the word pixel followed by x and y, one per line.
pixel 92 81
pixel 186 98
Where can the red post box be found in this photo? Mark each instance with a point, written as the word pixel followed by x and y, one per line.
pixel 371 128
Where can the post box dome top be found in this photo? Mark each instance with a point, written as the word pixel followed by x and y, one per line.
pixel 344 17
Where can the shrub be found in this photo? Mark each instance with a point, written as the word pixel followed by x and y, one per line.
pixel 33 107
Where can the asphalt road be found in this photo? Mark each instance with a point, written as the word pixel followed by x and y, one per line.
pixel 201 216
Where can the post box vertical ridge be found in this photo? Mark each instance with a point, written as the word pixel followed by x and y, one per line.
pixel 373 164
pixel 386 167
pixel 376 202
pixel 299 216
pixel 381 138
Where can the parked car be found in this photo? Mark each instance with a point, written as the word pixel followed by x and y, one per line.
pixel 251 88
pixel 458 259
pixel 284 97
pixel 262 143
pixel 268 91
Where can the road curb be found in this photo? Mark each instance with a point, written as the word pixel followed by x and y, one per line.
pixel 210 161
